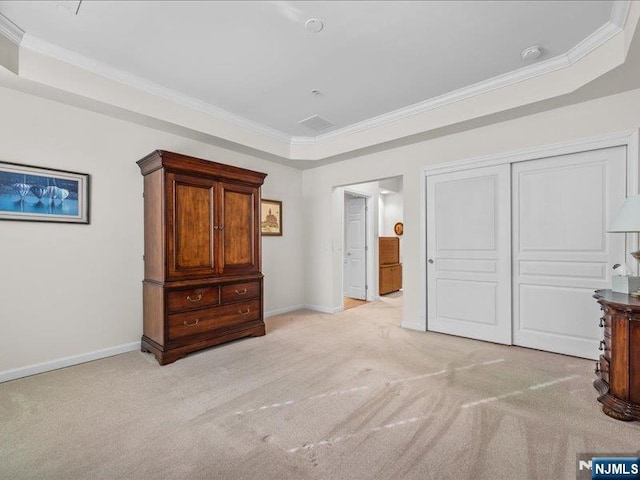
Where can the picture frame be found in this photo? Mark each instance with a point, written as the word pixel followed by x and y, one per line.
pixel 40 194
pixel 271 217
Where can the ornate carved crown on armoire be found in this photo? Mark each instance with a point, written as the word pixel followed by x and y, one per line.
pixel 202 281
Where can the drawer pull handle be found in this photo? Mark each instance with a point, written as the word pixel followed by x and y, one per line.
pixel 194 300
pixel 601 347
pixel 244 312
pixel 602 322
pixel 191 324
pixel 597 371
pixel 241 292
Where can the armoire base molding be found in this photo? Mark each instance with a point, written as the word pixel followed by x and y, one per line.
pixel 166 355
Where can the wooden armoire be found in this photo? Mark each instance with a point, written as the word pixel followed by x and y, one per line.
pixel 202 282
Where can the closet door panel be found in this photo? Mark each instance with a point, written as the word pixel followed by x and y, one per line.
pixel 561 252
pixel 468 247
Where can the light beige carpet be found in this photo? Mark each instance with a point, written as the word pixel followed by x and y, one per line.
pixel 345 396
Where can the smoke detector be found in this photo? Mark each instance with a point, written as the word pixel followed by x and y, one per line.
pixel 531 53
pixel 313 25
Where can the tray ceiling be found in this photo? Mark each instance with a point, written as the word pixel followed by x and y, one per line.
pixel 257 62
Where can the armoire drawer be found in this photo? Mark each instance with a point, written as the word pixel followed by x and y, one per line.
pixel 606 344
pixel 199 321
pixel 179 300
pixel 236 292
pixel 607 322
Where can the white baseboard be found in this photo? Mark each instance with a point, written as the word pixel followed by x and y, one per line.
pixel 413 326
pixel 29 370
pixel 321 309
pixel 280 311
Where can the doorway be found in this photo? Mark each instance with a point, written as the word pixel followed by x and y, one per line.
pixel 383 200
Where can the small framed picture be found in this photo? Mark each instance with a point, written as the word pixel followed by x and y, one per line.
pixel 43 194
pixel 271 218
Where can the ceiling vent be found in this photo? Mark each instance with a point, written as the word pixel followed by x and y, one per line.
pixel 316 123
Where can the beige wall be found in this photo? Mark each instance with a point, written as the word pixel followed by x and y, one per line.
pixel 69 290
pixel 323 260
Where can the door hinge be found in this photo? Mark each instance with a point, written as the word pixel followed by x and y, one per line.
pixel 366 248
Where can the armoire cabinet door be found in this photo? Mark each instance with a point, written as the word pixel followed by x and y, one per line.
pixel 239 224
pixel 191 211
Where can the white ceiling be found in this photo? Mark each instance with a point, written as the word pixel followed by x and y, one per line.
pixel 255 59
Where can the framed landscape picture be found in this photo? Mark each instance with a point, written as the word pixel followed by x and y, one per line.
pixel 43 194
pixel 271 217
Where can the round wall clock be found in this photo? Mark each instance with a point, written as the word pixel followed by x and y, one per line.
pixel 398 228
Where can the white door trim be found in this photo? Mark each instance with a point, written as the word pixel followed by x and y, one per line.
pixel 630 139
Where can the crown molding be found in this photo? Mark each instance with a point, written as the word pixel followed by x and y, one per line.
pixel 619 12
pixel 596 39
pixel 308 146
pixel 39 45
pixel 601 36
pixel 10 30
pixel 304 141
pixel 494 83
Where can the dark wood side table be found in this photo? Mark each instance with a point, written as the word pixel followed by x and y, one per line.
pixel 618 369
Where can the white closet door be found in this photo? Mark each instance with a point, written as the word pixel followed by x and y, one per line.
pixel 469 253
pixel 561 251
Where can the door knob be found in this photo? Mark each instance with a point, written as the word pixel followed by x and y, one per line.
pixel 348 254
pixel 430 260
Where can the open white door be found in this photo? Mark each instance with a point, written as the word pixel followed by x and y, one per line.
pixel 469 253
pixel 355 269
pixel 561 252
